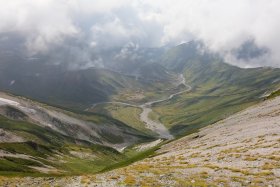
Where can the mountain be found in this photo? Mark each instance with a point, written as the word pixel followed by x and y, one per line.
pixel 57 85
pixel 242 150
pixel 63 77
pixel 218 88
pixel 133 60
pixel 203 67
pixel 37 138
pixel 89 120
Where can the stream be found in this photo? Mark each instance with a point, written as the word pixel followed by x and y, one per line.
pixel 155 126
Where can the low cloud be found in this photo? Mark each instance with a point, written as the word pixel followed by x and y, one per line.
pixel 223 26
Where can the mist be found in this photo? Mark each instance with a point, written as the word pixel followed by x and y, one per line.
pixel 84 27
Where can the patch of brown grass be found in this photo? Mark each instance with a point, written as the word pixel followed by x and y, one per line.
pixel 130 180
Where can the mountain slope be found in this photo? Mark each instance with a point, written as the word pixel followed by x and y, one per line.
pixel 51 80
pixel 241 150
pixel 92 128
pixel 218 89
pixel 37 139
pixel 29 149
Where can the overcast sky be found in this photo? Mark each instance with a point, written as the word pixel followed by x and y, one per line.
pixel 223 25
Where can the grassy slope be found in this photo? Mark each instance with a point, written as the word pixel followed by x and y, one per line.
pixel 47 147
pixel 59 86
pixel 44 143
pixel 219 89
pixel 274 94
pixel 100 119
pixel 127 114
pixel 80 89
pixel 157 89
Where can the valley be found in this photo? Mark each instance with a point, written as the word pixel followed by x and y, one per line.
pixel 242 150
pixel 139 93
pixel 154 126
pixel 37 139
pixel 96 120
pixel 218 91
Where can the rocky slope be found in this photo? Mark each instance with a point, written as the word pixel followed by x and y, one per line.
pixel 38 139
pixel 238 151
pixel 67 123
pixel 242 150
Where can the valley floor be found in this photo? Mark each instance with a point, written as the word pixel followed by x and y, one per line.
pixel 242 150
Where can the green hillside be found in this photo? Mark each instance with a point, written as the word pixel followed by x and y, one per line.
pixel 218 89
pixel 72 88
pixel 274 94
pixel 43 151
pixel 46 148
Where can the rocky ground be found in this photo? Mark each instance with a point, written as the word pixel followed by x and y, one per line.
pixel 243 150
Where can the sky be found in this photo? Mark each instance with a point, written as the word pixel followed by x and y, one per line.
pixel 224 26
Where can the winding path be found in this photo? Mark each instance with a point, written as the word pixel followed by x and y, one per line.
pixel 155 126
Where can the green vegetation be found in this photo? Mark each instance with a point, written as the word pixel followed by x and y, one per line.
pixel 46 148
pixel 29 148
pixel 17 165
pixel 34 132
pixel 75 89
pixel 127 114
pixel 218 89
pixel 196 109
pixel 274 94
pixel 158 90
pixel 133 156
pixel 100 121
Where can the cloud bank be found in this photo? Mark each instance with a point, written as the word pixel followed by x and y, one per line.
pixel 224 26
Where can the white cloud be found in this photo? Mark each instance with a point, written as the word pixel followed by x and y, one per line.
pixel 222 25
pixel 43 22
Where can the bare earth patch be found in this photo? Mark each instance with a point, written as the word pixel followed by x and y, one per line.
pixel 8 137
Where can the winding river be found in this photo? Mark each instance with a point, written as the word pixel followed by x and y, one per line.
pixel 155 126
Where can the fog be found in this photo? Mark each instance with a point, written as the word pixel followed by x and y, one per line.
pixel 245 32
